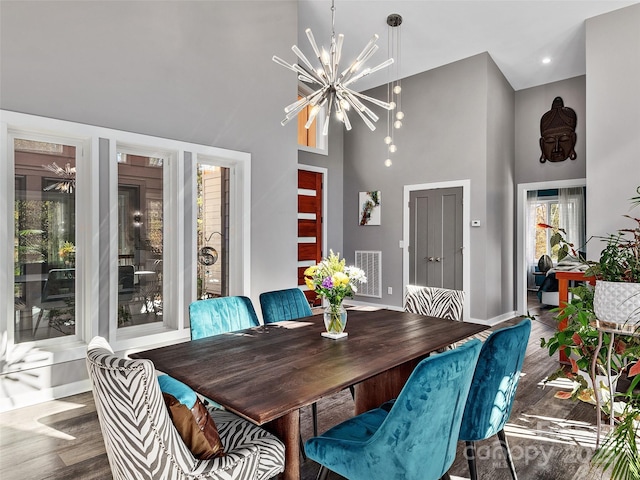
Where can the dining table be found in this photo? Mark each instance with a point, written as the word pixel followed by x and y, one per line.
pixel 266 374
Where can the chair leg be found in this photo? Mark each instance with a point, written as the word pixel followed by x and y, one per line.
pixel 471 459
pixel 322 473
pixel 507 453
pixel 314 417
pixel 304 455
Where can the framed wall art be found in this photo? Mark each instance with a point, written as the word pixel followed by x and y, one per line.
pixel 369 204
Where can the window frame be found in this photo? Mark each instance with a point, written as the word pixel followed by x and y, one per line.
pixel 97 231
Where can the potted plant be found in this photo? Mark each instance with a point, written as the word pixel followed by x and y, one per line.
pixel 577 335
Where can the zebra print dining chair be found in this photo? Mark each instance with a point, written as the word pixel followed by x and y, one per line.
pixel 434 302
pixel 142 442
pixel 438 302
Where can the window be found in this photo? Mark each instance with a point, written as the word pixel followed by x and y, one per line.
pixel 313 138
pixel 103 226
pixel 44 240
pixel 546 212
pixel 140 239
pixel 212 232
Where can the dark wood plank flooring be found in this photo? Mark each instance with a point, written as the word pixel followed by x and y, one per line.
pixel 550 439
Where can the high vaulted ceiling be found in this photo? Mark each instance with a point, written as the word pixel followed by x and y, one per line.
pixel 517 34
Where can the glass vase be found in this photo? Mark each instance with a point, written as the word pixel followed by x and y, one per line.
pixel 335 318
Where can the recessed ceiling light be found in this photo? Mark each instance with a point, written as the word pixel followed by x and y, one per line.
pixel 546 60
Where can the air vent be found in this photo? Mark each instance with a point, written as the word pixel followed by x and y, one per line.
pixel 371 263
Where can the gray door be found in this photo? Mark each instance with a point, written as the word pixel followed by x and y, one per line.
pixel 435 232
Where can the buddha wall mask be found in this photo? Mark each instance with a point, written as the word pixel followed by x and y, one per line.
pixel 558 133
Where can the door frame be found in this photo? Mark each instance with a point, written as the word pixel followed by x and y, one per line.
pixel 521 262
pixel 466 222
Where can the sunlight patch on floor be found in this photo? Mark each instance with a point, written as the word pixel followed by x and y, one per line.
pixel 28 419
pixel 554 430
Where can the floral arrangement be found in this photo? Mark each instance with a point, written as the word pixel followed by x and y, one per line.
pixel 332 280
pixel 68 253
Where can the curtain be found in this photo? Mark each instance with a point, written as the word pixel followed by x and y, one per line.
pixel 571 205
pixel 530 238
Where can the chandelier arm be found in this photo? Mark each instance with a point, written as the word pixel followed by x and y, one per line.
pixel 360 106
pixel 338 54
pixel 367 71
pixel 302 57
pixel 313 77
pixel 298 105
pixel 366 49
pixel 350 99
pixel 283 63
pixel 310 72
pixel 312 41
pixel 375 101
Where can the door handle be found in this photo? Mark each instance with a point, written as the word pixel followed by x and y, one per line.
pixel 438 259
pixel 429 259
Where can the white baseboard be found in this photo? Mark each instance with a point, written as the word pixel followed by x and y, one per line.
pixel 45 395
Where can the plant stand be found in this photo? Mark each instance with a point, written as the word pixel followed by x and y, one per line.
pixel 612 329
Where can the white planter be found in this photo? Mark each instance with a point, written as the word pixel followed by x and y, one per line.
pixel 617 303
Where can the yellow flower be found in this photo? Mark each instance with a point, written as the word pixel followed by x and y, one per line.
pixel 311 271
pixel 339 278
pixel 310 283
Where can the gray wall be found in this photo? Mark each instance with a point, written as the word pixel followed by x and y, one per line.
pixel 613 121
pixel 452 115
pixel 500 247
pixel 531 104
pixel 188 70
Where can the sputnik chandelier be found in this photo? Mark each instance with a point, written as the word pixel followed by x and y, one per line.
pixel 332 85
pixel 68 182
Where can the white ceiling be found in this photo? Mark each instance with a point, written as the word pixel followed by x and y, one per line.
pixel 517 34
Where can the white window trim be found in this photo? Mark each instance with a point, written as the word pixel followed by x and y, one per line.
pixel 54 351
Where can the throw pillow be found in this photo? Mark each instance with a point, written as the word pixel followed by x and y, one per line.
pixel 191 419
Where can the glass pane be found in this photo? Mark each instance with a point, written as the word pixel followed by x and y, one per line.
pixel 542 241
pixel 140 232
pixel 213 219
pixel 44 241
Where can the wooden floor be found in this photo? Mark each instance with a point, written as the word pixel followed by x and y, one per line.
pixel 550 439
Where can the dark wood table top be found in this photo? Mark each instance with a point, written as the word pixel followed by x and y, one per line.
pixel 266 372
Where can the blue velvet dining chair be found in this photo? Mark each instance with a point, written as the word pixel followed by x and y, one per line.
pixel 416 439
pixel 493 390
pixel 214 316
pixel 288 304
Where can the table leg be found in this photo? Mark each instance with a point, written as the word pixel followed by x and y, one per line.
pixel 373 392
pixel 287 429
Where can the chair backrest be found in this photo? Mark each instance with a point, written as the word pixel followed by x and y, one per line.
pixel 126 279
pixel 289 304
pixel 495 381
pixel 60 285
pixel 424 422
pixel 434 302
pixel 221 315
pixel 139 437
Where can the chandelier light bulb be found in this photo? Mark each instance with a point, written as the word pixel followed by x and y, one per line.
pixel 397 89
pixel 388 162
pixel 393 148
pixel 400 115
pixel 397 124
pixel 387 140
pixel 392 105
